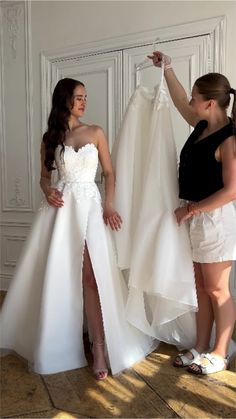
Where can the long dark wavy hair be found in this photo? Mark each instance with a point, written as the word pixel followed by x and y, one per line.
pixel 216 86
pixel 62 103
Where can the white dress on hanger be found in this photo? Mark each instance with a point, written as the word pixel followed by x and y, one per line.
pixel 42 315
pixel 162 296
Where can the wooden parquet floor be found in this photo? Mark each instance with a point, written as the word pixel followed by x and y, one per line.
pixel 151 389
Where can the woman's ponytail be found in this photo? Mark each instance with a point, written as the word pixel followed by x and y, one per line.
pixel 233 113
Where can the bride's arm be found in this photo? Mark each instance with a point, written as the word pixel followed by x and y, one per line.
pixel 110 214
pixel 45 179
pixel 52 195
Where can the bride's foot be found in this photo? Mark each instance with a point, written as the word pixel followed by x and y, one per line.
pixel 100 369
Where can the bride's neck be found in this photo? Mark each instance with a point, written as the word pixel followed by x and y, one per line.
pixel 73 123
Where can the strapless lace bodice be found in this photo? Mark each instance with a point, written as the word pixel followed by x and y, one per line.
pixel 77 166
pixel 77 171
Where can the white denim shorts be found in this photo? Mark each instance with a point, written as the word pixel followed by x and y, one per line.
pixel 213 235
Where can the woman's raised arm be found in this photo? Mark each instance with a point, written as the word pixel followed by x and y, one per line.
pixel 177 91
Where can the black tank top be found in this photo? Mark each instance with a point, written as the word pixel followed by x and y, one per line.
pixel 200 174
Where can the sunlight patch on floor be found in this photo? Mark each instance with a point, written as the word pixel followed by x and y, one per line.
pixel 98 397
pixel 117 388
pixel 149 368
pixel 158 356
pixel 135 381
pixel 64 415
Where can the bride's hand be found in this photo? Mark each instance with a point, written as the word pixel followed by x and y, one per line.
pixel 54 197
pixel 112 218
pixel 158 58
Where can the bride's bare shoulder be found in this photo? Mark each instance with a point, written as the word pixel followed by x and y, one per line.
pixel 92 128
pixel 95 130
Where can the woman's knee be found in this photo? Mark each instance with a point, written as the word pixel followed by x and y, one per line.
pixel 88 275
pixel 216 292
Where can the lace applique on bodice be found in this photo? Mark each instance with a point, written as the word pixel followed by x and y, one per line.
pixel 77 171
pixel 77 166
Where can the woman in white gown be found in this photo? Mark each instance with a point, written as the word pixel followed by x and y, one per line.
pixel 68 261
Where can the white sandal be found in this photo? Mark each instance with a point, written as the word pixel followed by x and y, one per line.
pixel 185 361
pixel 216 364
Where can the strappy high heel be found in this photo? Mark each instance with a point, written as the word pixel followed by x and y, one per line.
pixel 99 373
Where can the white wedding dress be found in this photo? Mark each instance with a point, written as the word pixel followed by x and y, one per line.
pixel 151 247
pixel 42 315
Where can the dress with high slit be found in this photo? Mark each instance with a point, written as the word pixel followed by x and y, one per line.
pixel 43 313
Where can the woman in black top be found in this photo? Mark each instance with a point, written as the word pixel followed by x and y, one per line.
pixel 207 189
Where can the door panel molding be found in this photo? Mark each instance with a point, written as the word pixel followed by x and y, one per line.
pixel 110 64
pixel 212 53
pixel 17 177
pixel 214 27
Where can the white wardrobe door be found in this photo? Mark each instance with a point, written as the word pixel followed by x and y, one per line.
pixel 102 76
pixel 189 58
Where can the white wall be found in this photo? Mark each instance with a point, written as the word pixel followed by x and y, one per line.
pixel 64 23
pixel 57 24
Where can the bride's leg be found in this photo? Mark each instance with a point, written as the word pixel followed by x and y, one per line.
pixel 94 317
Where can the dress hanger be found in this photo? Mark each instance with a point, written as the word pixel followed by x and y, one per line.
pixel 143 64
pixel 146 63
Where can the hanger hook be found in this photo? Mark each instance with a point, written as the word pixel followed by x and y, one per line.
pixel 154 43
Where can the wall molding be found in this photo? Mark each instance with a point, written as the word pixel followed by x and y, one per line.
pixel 213 27
pixel 53 60
pixel 12 14
pixel 15 224
pixel 17 199
pixel 17 203
pixel 7 239
pixel 2 115
pixel 110 63
pixel 5 280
